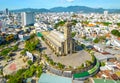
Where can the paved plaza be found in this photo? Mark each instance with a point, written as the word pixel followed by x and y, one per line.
pixel 15 65
pixel 74 60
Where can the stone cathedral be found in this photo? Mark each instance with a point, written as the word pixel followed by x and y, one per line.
pixel 61 44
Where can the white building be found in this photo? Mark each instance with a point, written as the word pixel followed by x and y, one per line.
pixel 105 13
pixel 2 26
pixel 27 18
pixel 30 56
pixel 115 42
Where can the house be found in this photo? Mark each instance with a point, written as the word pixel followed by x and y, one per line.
pixel 30 56
pixel 110 64
pixel 23 37
pixel 99 47
pixel 118 57
pixel 1 40
pixel 2 80
pixel 104 81
pixel 115 42
pixel 102 57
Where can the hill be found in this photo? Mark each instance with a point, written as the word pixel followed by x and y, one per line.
pixel 82 9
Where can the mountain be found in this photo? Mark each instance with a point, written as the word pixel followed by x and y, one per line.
pixel 31 10
pixel 82 9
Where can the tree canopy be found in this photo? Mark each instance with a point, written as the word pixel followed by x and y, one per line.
pixel 106 23
pixel 115 32
pixel 25 73
pixel 73 34
pixel 96 40
pixel 31 44
pixel 61 23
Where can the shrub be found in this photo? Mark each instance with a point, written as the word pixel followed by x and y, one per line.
pixel 61 66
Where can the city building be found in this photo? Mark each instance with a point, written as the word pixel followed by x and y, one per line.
pixel 47 78
pixel 6 11
pixel 62 44
pixel 2 26
pixel 27 18
pixel 104 81
pixel 105 13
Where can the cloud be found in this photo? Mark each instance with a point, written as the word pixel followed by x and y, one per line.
pixel 69 0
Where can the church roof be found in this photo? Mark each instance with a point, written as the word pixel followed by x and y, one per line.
pixel 56 37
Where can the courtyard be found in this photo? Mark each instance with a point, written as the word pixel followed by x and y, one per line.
pixel 74 60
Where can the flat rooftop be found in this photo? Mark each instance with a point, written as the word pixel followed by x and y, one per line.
pixel 50 78
pixel 105 81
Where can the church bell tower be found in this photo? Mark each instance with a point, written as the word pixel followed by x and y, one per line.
pixel 68 38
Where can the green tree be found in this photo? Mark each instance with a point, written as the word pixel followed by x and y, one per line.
pixel 73 34
pixel 85 22
pixel 23 52
pixel 102 63
pixel 84 37
pixel 5 52
pixel 15 48
pixel 102 37
pixel 74 15
pixel 30 62
pixel 83 46
pixel 96 40
pixel 82 65
pixel 93 58
pixel 16 78
pixel 61 66
pixel 61 23
pixel 39 71
pixel 31 44
pixel 106 23
pixel 30 72
pixel 32 36
pixel 115 32
pixel 88 63
pixel 74 22
pixel 118 24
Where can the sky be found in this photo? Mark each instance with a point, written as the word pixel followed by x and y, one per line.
pixel 18 4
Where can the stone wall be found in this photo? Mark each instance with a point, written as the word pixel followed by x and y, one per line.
pixel 59 72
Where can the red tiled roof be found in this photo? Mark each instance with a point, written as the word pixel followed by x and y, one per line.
pixel 115 77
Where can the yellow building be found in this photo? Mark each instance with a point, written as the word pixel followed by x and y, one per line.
pixel 61 44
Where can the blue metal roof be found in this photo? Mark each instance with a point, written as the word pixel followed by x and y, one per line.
pixel 47 78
